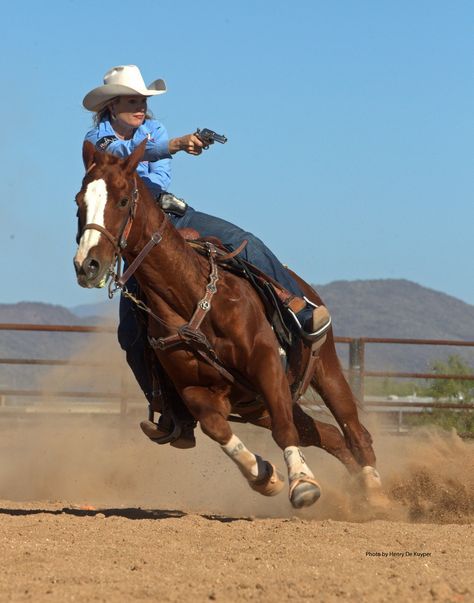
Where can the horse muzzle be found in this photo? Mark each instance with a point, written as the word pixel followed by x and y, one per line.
pixel 91 273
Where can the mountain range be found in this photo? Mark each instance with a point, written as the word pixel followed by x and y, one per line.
pixel 396 308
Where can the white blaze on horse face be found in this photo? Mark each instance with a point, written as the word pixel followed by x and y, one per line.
pixel 95 199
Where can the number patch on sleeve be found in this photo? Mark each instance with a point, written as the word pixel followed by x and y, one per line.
pixel 104 142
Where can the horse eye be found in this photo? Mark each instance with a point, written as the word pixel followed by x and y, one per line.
pixel 123 202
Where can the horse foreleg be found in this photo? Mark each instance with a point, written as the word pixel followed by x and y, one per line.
pixel 274 388
pixel 211 409
pixel 261 475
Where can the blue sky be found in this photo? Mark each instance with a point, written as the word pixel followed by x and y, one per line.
pixel 350 127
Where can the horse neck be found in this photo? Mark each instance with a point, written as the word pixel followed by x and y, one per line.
pixel 172 270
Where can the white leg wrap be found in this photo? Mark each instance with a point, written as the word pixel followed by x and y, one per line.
pixel 242 457
pixel 296 463
pixel 371 477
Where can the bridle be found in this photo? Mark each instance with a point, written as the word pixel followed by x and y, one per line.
pixel 119 243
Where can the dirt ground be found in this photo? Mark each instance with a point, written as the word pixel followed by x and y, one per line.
pixel 90 511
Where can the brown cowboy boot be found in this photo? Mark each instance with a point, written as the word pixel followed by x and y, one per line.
pixel 176 424
pixel 314 327
pixel 162 432
pixel 187 438
pixel 320 323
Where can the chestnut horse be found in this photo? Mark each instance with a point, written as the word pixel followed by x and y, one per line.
pixel 120 217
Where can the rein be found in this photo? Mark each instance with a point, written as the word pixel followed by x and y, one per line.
pixel 155 239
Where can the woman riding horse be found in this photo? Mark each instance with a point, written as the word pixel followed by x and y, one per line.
pixel 208 329
pixel 121 123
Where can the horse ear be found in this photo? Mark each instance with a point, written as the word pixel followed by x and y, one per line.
pixel 88 151
pixel 136 156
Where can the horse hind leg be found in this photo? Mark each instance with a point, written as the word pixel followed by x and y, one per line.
pixel 330 383
pixel 328 437
pixel 333 388
pixel 324 436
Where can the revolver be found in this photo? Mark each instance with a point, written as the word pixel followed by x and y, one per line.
pixel 209 136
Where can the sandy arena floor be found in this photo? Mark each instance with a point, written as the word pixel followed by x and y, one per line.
pixel 90 512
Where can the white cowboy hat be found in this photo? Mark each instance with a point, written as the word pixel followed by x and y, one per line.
pixel 121 81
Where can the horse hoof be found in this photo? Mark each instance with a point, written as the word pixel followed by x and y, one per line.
pixel 373 493
pixel 272 484
pixel 304 491
pixel 370 478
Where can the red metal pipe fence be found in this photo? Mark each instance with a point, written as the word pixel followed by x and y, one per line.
pixel 356 370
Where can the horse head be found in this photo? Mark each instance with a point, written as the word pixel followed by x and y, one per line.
pixel 106 206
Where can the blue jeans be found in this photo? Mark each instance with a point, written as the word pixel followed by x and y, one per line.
pixel 131 332
pixel 132 338
pixel 255 252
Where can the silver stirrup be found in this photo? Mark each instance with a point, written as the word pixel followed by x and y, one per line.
pixel 317 334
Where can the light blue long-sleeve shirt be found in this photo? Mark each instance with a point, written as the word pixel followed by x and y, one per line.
pixel 155 169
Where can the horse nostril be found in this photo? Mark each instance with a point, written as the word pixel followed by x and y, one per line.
pixel 91 267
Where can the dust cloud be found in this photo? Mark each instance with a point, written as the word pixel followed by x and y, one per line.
pixel 101 459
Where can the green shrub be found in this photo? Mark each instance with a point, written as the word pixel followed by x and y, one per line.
pixel 460 420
